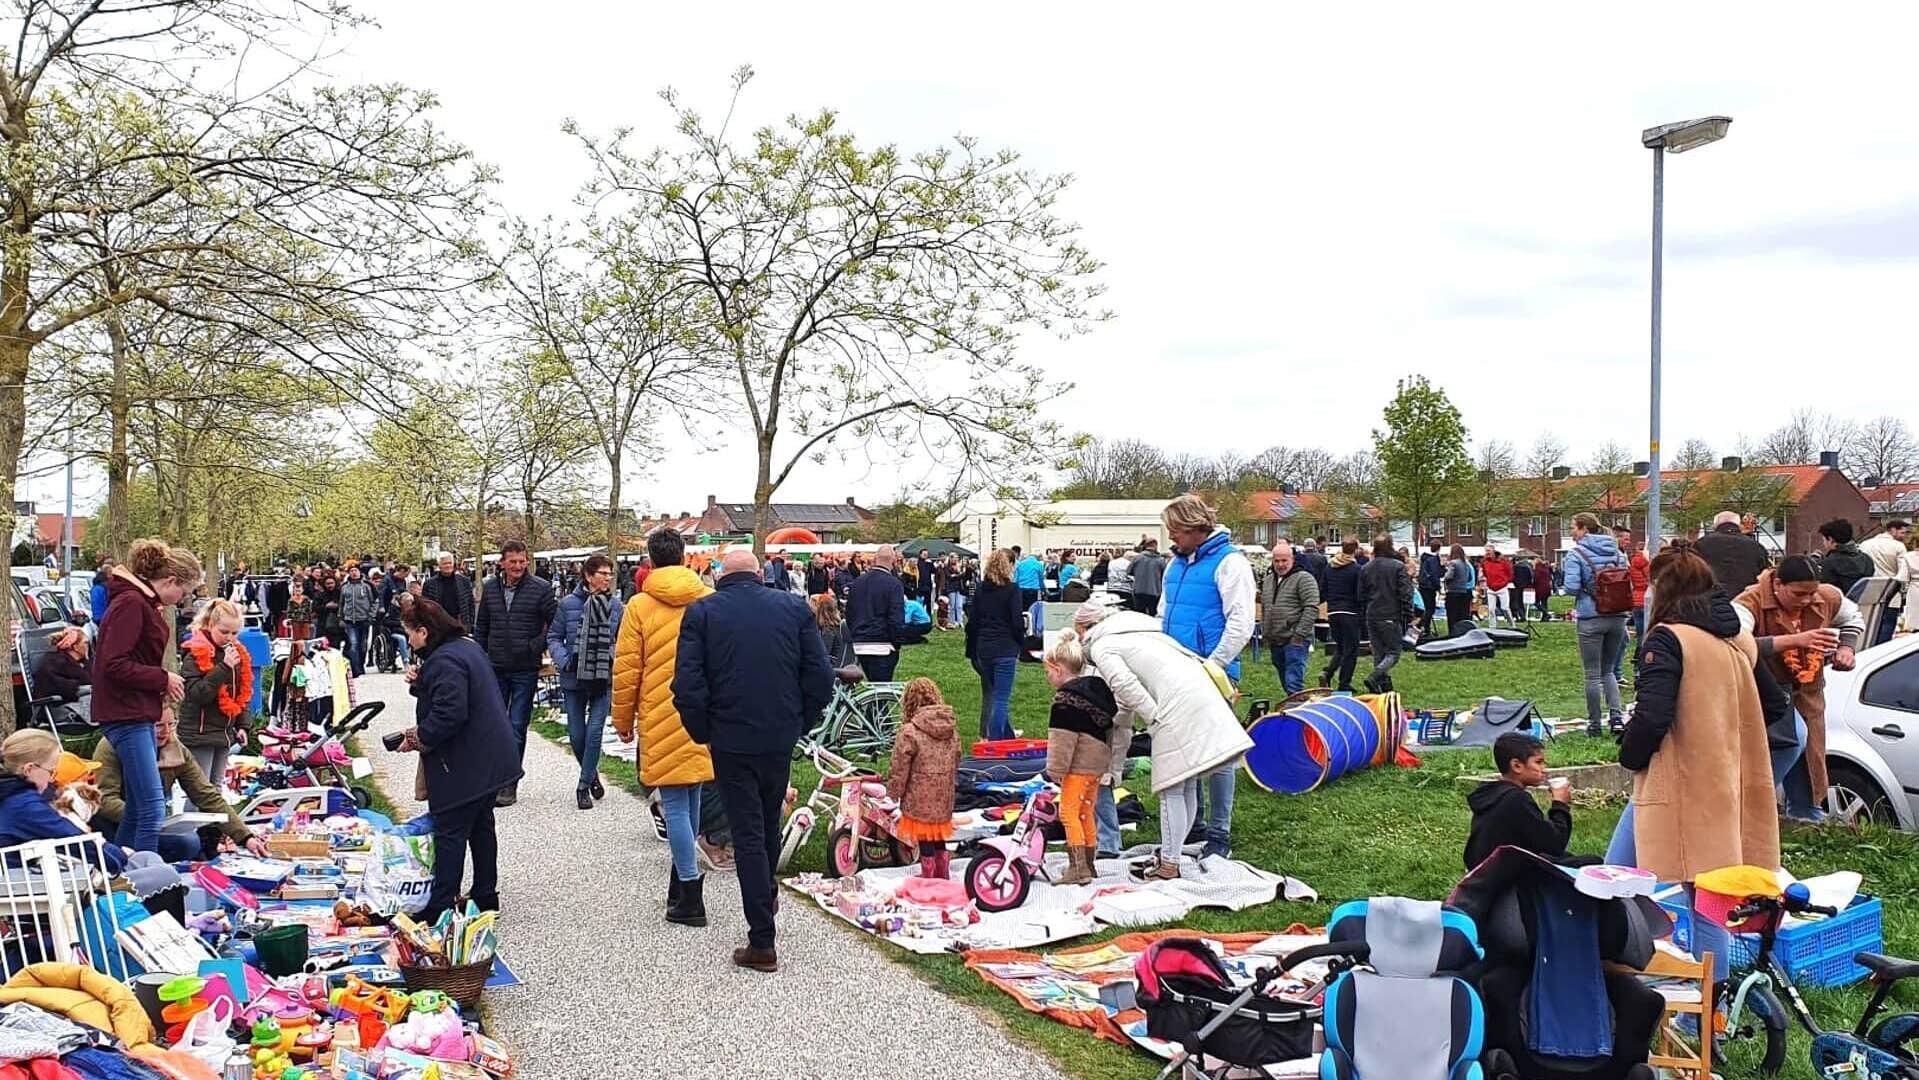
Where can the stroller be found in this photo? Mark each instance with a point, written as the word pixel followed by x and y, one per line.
pixel 1190 999
pixel 316 756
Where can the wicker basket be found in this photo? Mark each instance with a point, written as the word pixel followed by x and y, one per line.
pixel 462 983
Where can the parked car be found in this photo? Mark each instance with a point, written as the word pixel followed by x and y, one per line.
pixel 1872 735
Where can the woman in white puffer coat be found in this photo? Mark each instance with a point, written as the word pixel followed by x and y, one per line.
pixel 1193 728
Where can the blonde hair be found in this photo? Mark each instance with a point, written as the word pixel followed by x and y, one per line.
pixel 153 561
pixel 1068 654
pixel 216 612
pixel 1588 522
pixel 1189 512
pixel 28 746
pixel 826 610
pixel 919 693
pixel 999 567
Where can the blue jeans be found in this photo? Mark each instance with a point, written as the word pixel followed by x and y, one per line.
pixel 1216 805
pixel 1623 850
pixel 680 805
pixel 402 652
pixel 516 689
pixel 1290 660
pixel 1106 816
pixel 1789 772
pixel 356 639
pixel 139 784
pixel 1637 621
pixel 585 727
pixel 996 696
pixel 955 607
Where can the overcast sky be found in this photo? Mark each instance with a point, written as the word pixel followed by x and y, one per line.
pixel 1298 205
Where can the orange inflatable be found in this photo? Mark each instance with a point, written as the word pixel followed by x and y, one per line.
pixel 792 535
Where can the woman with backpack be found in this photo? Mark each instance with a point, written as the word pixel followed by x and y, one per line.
pixel 1600 583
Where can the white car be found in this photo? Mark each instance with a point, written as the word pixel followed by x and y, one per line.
pixel 1872 735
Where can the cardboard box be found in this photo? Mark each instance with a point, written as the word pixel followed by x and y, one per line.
pixel 294 846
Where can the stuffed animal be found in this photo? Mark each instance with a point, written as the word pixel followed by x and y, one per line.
pixel 435 1035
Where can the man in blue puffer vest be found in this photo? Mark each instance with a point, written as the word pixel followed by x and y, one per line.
pixel 1208 607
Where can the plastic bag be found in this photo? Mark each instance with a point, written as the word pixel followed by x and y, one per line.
pixel 399 874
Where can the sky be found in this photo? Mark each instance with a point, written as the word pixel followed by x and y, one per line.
pixel 1298 205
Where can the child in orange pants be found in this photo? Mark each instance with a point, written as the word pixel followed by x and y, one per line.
pixel 1080 738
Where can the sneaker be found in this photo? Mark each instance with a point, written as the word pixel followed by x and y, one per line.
pixel 658 815
pixel 713 856
pixel 1594 731
pixel 1214 847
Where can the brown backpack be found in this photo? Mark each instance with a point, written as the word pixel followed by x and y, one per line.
pixel 1611 586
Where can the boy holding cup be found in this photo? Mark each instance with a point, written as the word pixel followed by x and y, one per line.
pixel 1504 811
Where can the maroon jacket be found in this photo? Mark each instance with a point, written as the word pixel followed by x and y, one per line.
pixel 129 681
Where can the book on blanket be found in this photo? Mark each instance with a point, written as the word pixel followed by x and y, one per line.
pixel 160 943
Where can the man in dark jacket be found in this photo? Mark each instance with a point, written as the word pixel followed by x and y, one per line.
pixel 876 617
pixel 1844 564
pixel 1149 576
pixel 1386 594
pixel 1504 813
pixel 1312 558
pixel 750 677
pixel 397 584
pixel 1736 559
pixel 1432 568
pixel 450 589
pixel 1522 581
pixel 928 572
pixel 1289 612
pixel 515 609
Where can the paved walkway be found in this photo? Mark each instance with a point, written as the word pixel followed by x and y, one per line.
pixel 613 991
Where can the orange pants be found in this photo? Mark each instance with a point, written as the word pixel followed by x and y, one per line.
pixel 1076 809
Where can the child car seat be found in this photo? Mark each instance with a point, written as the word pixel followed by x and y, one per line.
pixel 1409 1017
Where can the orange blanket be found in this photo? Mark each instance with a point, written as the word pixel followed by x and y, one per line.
pixel 1096 1020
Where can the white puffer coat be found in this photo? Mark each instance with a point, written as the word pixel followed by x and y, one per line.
pixel 1152 677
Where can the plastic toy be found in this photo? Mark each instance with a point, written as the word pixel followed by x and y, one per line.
pixel 268 1036
pixel 272 1065
pixel 312 1042
pixel 429 1001
pixel 318 757
pixel 360 998
pixel 823 802
pixel 1000 876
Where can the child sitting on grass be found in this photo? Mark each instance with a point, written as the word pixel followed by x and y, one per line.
pixel 1504 811
pixel 923 775
pixel 1081 748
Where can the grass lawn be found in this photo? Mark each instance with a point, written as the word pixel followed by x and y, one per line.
pixel 1379 832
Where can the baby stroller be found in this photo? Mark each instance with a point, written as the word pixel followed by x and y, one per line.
pixel 1190 999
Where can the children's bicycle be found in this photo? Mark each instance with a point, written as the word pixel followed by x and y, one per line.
pixel 1882 1051
pixel 824 802
pixel 861 720
pixel 1002 873
pixel 864 827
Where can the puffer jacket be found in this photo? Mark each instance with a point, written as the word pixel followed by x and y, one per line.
pixel 1341 594
pixel 202 723
pixel 514 638
pixel 1154 679
pixel 1288 606
pixel 84 996
pixel 925 766
pixel 643 655
pixel 563 637
pixel 1601 551
pixel 358 602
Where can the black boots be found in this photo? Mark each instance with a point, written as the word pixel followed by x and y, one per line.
pixel 685 900
pixel 584 798
pixel 508 795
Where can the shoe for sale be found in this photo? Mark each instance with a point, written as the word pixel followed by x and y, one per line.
pixel 753 959
pixel 690 910
pixel 584 798
pixel 598 789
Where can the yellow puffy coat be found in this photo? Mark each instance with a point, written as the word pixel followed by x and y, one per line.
pixel 643 679
pixel 84 996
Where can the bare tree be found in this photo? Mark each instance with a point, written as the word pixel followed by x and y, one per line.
pixel 1547 454
pixel 1802 439
pixel 1695 456
pixel 1883 447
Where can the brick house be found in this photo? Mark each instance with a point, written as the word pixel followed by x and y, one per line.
pixel 1891 502
pixel 833 522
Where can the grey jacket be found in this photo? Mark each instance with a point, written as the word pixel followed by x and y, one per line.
pixel 1149 570
pixel 1386 592
pixel 1289 606
pixel 358 602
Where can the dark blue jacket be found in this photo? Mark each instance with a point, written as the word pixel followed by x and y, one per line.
pixel 751 675
pixel 515 639
pixel 1342 589
pixel 454 593
pixel 563 637
pixel 98 599
pixel 25 814
pixel 470 749
pixel 995 623
pixel 1316 565
pixel 876 607
pixel 1431 569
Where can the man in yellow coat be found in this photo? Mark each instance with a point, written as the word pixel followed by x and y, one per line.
pixel 671 763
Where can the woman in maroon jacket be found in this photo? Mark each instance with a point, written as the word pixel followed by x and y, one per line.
pixel 132 687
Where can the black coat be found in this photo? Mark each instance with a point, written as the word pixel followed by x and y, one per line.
pixel 1386 590
pixel 751 673
pixel 995 623
pixel 454 593
pixel 515 639
pixel 876 607
pixel 1505 813
pixel 470 748
pixel 1340 590
pixel 1736 559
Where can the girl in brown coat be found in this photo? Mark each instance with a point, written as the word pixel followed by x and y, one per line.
pixel 924 771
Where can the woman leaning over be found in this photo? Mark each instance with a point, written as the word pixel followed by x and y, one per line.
pixel 132 688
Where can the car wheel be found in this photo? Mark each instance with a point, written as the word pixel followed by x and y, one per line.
pixel 1855 797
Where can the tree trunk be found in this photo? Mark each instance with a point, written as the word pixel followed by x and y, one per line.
pixel 119 407
pixel 182 490
pixel 763 497
pixel 16 348
pixel 613 511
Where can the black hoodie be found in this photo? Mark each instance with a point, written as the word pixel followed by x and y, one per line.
pixel 1505 814
pixel 1662 668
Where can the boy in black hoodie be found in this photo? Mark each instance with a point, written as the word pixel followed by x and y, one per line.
pixel 1504 811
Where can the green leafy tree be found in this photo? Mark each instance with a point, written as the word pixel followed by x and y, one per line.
pixel 1423 463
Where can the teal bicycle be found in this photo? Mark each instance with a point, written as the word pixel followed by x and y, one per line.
pixel 861 720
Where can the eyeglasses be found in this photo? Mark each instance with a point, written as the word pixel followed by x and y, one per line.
pixel 37 765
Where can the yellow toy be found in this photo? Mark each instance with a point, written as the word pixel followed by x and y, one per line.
pixel 362 998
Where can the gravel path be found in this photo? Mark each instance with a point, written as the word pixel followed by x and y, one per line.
pixel 613 990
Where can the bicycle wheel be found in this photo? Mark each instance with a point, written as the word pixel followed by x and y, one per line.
pixel 874 721
pixel 1772 1023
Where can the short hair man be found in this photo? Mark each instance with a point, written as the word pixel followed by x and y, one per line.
pixel 516 607
pixel 1504 812
pixel 1289 610
pixel 1844 564
pixel 1887 550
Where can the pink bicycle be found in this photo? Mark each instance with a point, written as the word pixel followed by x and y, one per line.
pixel 1001 875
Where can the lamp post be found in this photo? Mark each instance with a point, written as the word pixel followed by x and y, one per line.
pixel 1678 138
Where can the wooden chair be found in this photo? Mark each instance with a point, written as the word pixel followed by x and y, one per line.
pixel 1673 1049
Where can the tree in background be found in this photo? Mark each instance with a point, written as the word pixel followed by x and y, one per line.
pixel 1117 469
pixel 1421 452
pixel 1884 448
pixel 1695 456
pixel 905 518
pixel 1800 440
pixel 1492 497
pixel 862 300
pixel 1609 486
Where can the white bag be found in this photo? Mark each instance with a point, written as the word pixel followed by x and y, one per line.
pixel 399 874
pixel 206 1034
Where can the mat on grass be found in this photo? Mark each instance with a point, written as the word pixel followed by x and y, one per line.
pixel 1055 913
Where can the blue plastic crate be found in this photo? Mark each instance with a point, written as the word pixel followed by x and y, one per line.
pixel 1816 953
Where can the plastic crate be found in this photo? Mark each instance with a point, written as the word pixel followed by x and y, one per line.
pixel 1009 748
pixel 1816 953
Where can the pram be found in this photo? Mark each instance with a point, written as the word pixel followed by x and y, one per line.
pixel 1189 998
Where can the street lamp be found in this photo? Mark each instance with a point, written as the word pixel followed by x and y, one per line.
pixel 1678 138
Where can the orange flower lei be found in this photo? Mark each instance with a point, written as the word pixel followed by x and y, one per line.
pixel 235 696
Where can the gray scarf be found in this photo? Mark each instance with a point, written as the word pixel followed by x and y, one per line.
pixel 595 663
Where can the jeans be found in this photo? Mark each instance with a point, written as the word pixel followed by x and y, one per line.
pixel 1623 850
pixel 1516 600
pixel 1290 661
pixel 1637 622
pixel 356 639
pixel 680 805
pixel 753 787
pixel 1385 635
pixel 955 607
pixel 1789 772
pixel 1345 651
pixel 1602 641
pixel 1430 598
pixel 879 668
pixel 996 679
pixel 179 847
pixel 585 726
pixel 1146 603
pixel 1707 936
pixel 1178 809
pixel 1106 817
pixel 1541 600
pixel 1497 599
pixel 402 652
pixel 516 689
pixel 1215 805
pixel 139 783
pixel 212 761
pixel 456 832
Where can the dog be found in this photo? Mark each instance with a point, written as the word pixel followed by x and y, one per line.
pixel 78 802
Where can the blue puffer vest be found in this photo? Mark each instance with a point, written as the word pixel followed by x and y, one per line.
pixel 1192 613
